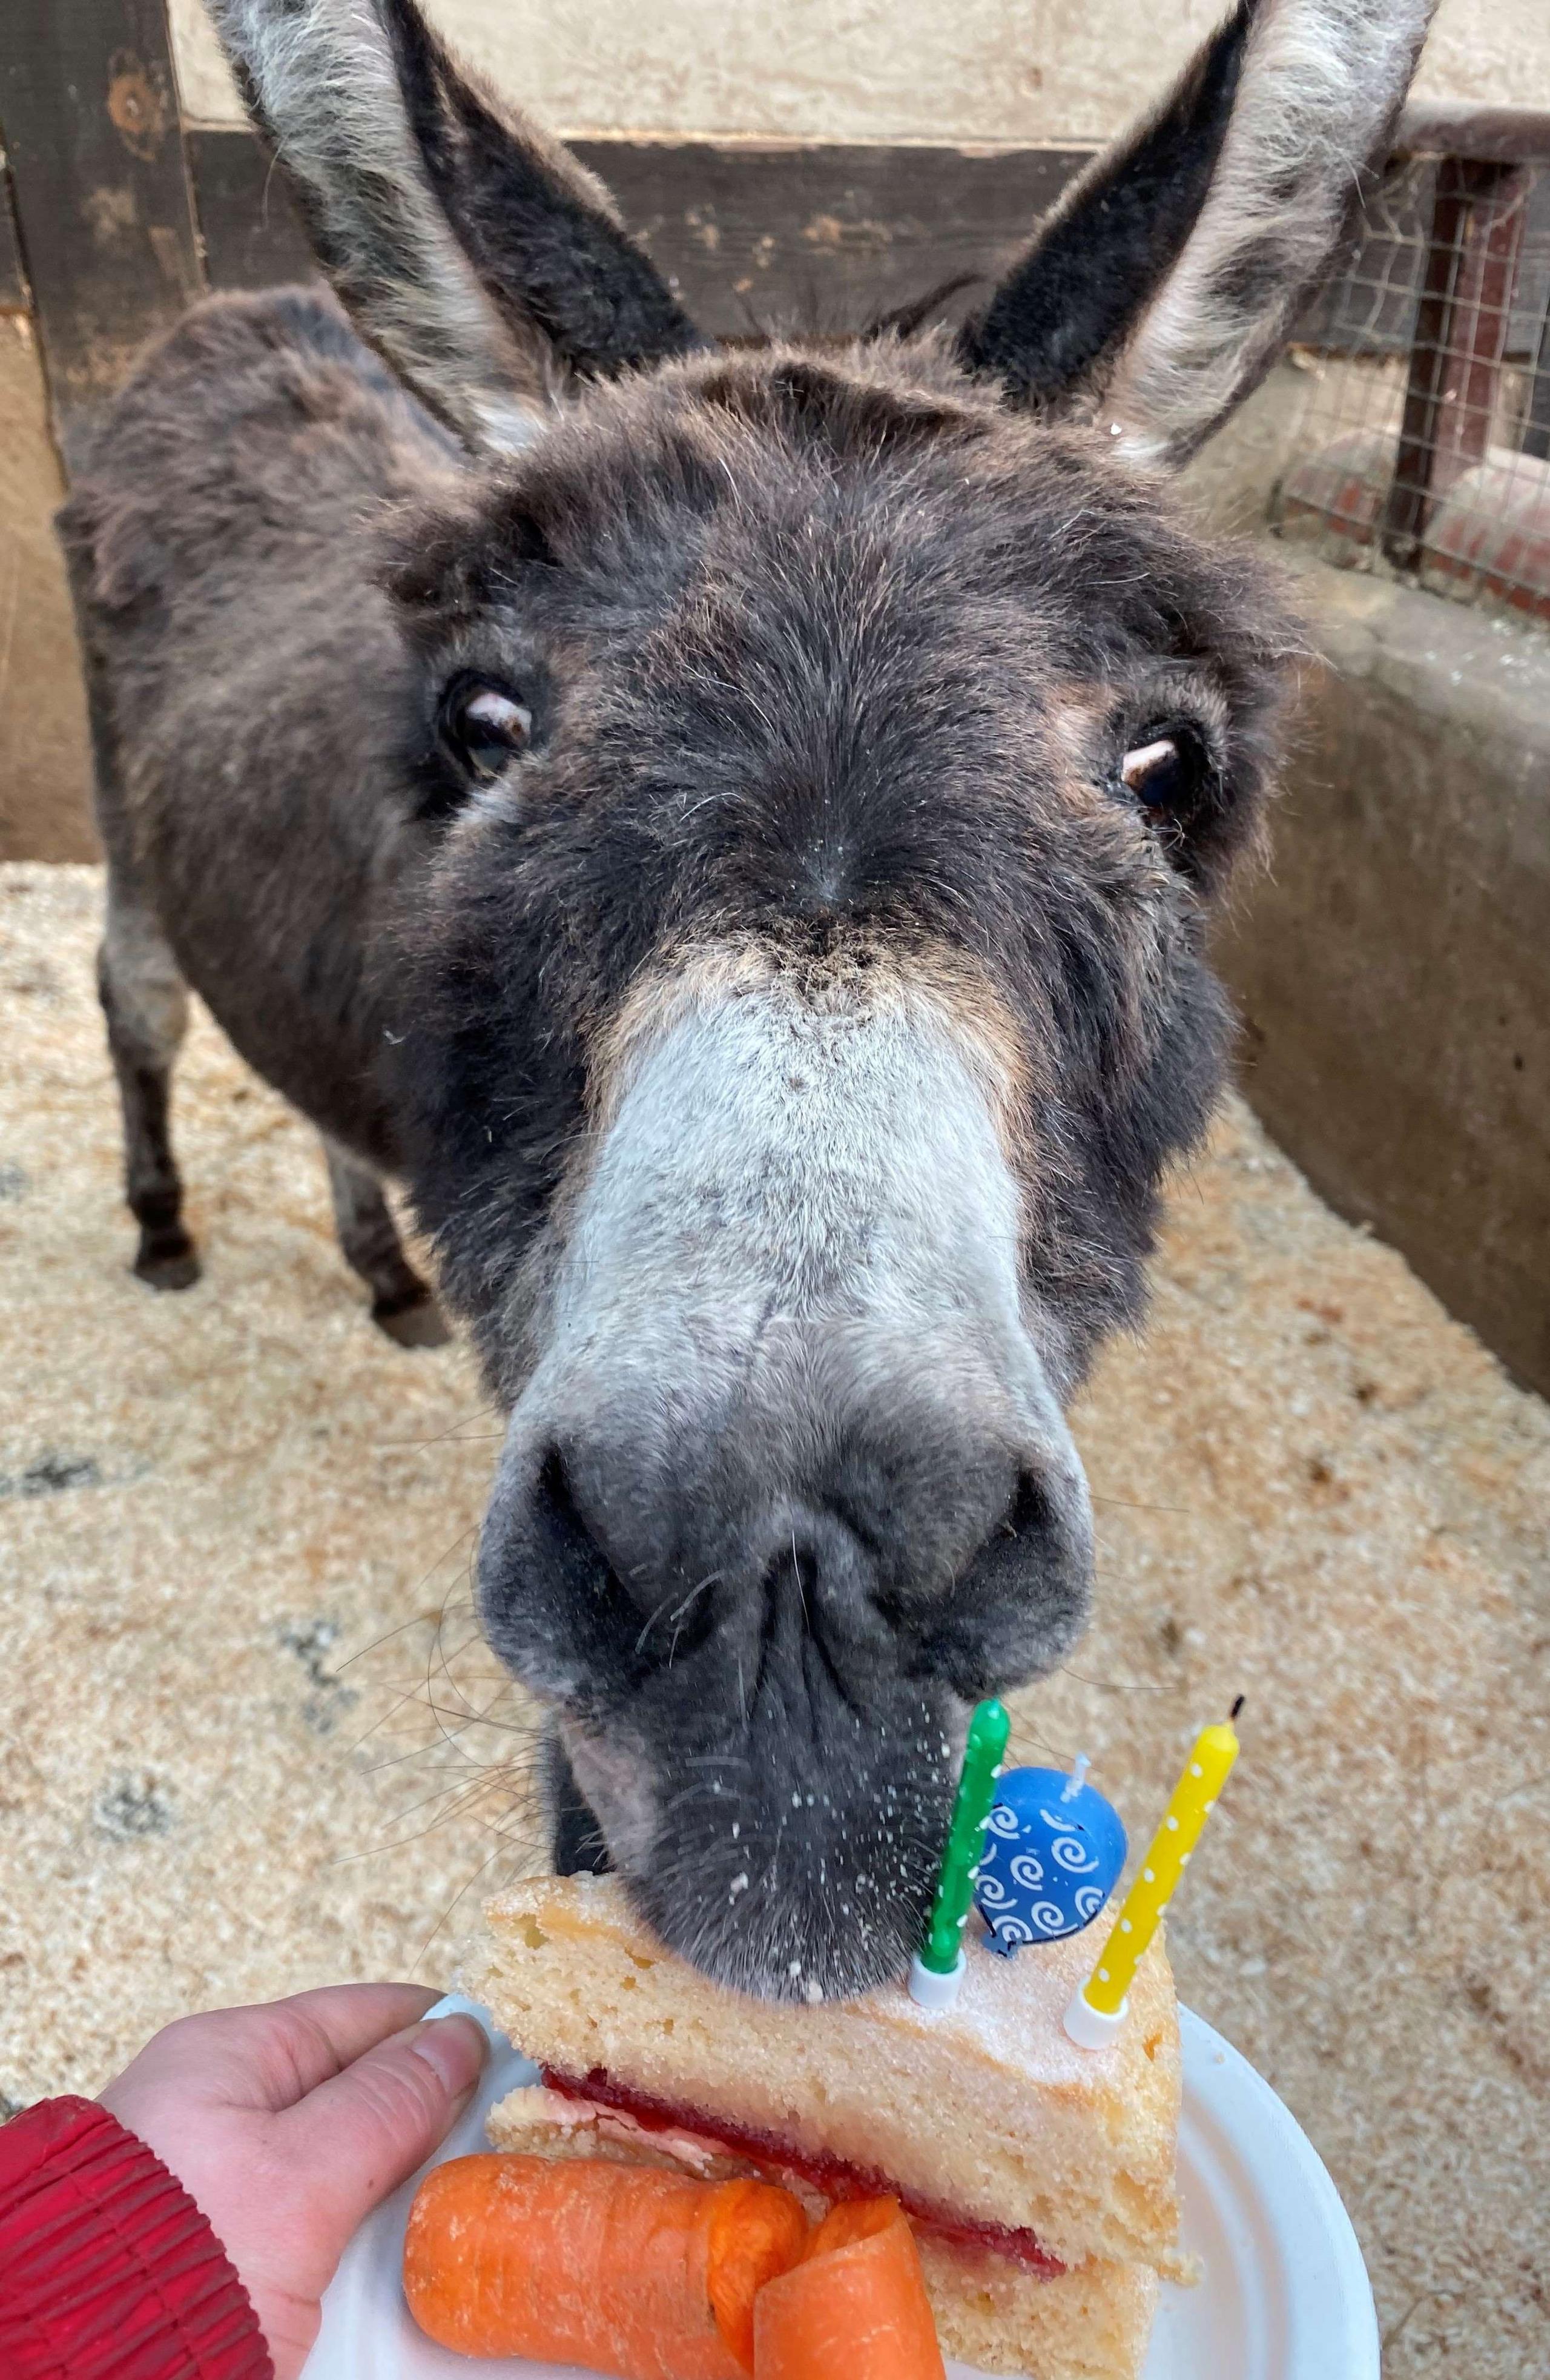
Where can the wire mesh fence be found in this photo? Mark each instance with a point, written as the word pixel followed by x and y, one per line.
pixel 1422 443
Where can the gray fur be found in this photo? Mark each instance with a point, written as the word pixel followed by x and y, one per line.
pixel 796 1243
pixel 472 250
pixel 323 77
pixel 1323 81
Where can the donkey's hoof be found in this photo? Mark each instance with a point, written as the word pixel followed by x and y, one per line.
pixel 167 1260
pixel 414 1321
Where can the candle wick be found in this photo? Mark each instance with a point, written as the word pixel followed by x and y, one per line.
pixel 1237 1708
pixel 1073 1783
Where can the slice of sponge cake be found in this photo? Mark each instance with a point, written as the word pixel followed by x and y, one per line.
pixel 1040 2176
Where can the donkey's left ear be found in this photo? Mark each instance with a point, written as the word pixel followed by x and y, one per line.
pixel 471 249
pixel 1210 225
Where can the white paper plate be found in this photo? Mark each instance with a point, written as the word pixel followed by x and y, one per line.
pixel 1285 2296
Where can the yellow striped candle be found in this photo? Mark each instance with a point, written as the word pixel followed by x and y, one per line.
pixel 1098 2010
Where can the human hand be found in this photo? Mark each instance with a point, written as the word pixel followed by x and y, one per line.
pixel 288 2122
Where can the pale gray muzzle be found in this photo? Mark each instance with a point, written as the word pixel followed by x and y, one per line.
pixel 790 1452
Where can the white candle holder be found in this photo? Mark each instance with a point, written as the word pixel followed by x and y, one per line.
pixel 930 1990
pixel 1089 2027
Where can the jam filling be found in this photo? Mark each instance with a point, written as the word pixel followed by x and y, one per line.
pixel 835 2177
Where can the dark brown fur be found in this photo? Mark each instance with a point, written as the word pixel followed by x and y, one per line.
pixel 829 665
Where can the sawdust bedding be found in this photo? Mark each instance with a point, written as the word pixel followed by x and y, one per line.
pixel 249 1741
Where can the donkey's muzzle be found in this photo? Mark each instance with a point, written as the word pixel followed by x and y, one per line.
pixel 789 1485
pixel 762 1631
pixel 914 1531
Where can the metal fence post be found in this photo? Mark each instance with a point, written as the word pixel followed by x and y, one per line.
pixel 1460 338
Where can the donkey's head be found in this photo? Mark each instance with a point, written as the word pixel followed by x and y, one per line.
pixel 838 754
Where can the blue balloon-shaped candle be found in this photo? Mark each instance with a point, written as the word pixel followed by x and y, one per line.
pixel 1054 1850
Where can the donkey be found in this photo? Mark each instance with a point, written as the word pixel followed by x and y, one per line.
pixel 734 832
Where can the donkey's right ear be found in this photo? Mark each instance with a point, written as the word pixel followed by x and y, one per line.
pixel 1165 284
pixel 472 251
pixel 1050 332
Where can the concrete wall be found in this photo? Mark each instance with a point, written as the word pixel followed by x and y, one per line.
pixel 1392 965
pixel 1022 70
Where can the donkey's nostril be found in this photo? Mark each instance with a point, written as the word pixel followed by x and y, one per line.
pixel 561 1536
pixel 1028 1514
pixel 663 1610
pixel 1020 1602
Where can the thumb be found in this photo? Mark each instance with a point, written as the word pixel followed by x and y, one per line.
pixel 364 2131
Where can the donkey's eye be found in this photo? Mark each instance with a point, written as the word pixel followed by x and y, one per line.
pixel 486 726
pixel 1165 771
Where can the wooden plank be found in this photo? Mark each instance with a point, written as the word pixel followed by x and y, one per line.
pixel 14 299
pixel 1488 136
pixel 821 237
pixel 89 114
pixel 751 233
pixel 754 233
pixel 1483 289
pixel 249 225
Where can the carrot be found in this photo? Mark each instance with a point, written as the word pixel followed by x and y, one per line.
pixel 623 2269
pixel 854 2309
pixel 849 2220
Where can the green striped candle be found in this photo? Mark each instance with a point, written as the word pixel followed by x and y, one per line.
pixel 938 1963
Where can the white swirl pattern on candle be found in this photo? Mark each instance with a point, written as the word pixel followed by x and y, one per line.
pixel 1045 1833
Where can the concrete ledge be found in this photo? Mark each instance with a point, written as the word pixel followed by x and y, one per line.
pixel 1394 964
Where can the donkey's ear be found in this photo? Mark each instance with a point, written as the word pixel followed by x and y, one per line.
pixel 1163 286
pixel 471 249
pixel 1105 247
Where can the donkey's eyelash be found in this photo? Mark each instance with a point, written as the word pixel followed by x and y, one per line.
pixel 1166 768
pixel 485 724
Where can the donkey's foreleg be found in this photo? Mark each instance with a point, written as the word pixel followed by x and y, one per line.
pixel 145 1001
pixel 401 1304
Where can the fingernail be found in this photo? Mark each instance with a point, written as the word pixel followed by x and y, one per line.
pixel 454 2004
pixel 454 2048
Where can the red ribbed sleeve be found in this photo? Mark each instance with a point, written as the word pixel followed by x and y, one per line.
pixel 108 2271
